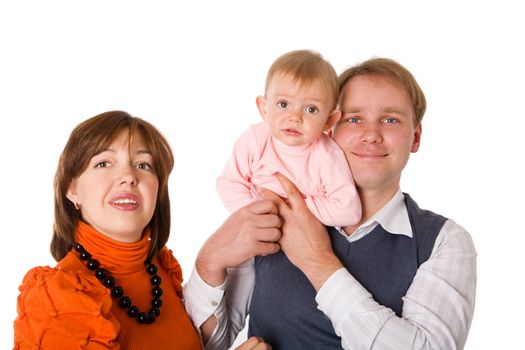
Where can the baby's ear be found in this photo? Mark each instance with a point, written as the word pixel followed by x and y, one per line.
pixel 262 106
pixel 332 119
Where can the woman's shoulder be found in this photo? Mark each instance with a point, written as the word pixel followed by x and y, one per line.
pixel 60 308
pixel 59 284
pixel 170 264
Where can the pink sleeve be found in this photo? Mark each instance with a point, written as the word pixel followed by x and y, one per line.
pixel 234 183
pixel 340 205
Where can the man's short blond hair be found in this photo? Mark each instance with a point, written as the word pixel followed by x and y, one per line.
pixel 390 69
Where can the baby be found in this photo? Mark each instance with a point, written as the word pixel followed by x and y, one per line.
pixel 298 108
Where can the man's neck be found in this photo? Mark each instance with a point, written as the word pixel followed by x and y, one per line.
pixel 371 201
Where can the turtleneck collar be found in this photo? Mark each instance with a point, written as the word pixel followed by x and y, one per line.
pixel 287 149
pixel 113 255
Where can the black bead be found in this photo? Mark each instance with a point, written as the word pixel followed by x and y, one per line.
pixel 92 264
pixel 156 291
pixel 151 318
pixel 124 302
pixel 155 280
pixel 108 281
pixel 142 317
pixel 117 292
pixel 101 273
pixel 152 269
pixel 156 302
pixel 155 311
pixel 84 255
pixel 133 311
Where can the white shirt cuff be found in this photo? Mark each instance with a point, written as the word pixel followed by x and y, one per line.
pixel 200 299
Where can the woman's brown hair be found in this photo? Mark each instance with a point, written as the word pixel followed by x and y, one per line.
pixel 87 140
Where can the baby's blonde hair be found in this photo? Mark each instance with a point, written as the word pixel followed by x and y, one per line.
pixel 305 66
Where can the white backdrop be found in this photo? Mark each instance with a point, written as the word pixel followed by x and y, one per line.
pixel 194 68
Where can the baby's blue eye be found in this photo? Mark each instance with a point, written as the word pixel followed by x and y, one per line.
pixel 311 109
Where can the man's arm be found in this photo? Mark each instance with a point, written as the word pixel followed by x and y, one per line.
pixel 438 307
pixel 252 230
pixel 304 239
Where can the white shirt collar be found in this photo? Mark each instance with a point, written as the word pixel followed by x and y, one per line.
pixel 393 217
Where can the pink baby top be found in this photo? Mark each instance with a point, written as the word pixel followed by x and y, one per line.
pixel 319 170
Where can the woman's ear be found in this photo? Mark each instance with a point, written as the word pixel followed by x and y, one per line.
pixel 262 106
pixel 71 193
pixel 332 119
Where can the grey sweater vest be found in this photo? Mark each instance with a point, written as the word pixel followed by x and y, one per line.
pixel 283 309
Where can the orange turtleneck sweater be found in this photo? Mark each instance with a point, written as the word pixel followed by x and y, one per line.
pixel 67 307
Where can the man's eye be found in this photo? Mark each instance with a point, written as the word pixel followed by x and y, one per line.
pixel 390 120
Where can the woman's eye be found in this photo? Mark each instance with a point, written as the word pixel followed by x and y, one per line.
pixel 353 120
pixel 144 166
pixel 102 164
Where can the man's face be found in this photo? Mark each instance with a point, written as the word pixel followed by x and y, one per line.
pixel 376 131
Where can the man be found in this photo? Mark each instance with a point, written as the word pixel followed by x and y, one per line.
pixel 402 278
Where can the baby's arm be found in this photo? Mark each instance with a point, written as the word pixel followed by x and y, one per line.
pixel 234 183
pixel 340 205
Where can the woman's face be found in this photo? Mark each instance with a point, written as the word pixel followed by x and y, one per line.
pixel 117 192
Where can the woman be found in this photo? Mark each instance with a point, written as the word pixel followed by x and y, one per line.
pixel 116 285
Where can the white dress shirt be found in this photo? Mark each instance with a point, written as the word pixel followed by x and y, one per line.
pixel 437 308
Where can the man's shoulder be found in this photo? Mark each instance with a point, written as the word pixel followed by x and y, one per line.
pixel 446 229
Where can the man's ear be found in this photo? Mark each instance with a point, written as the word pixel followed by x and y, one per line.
pixel 332 119
pixel 417 138
pixel 262 106
pixel 71 193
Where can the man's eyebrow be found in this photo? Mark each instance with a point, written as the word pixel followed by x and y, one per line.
pixel 351 110
pixel 385 110
pixel 393 110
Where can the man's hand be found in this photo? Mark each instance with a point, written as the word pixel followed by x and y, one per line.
pixel 304 239
pixel 250 231
pixel 254 343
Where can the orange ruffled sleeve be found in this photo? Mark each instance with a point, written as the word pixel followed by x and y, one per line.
pixel 171 265
pixel 60 309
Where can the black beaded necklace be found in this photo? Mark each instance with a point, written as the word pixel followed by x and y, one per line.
pixel 117 292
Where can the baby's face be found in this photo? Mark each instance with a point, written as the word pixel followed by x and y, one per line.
pixel 296 113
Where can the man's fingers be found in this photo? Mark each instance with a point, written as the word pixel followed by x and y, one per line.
pixel 265 206
pixel 268 234
pixel 267 248
pixel 254 343
pixel 294 195
pixel 276 200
